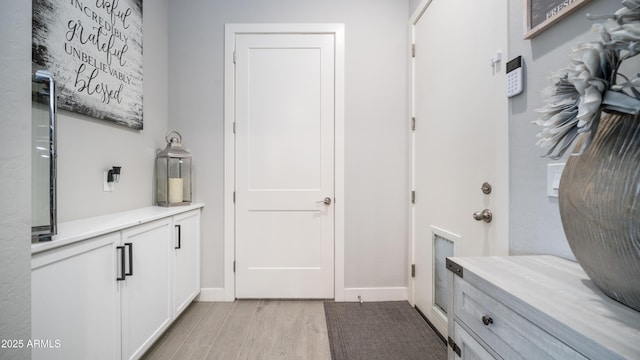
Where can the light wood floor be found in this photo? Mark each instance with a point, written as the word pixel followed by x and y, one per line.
pixel 246 329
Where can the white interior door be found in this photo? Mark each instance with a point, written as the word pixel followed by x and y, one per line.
pixel 284 165
pixel 458 103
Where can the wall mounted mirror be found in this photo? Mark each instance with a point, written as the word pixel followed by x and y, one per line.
pixel 43 156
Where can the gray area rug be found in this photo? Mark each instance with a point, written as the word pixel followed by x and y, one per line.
pixel 380 330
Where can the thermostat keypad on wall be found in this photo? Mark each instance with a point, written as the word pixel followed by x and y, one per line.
pixel 514 77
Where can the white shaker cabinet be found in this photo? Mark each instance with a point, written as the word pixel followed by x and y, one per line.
pixel 76 302
pixel 534 307
pixel 146 288
pixel 108 287
pixel 186 260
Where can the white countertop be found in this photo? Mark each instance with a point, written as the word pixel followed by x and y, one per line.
pixel 83 229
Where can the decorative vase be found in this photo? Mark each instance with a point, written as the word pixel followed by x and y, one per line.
pixel 599 200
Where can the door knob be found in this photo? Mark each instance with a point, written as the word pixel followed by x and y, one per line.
pixel 326 201
pixel 483 215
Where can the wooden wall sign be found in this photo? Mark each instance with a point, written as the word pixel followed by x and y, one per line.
pixel 94 50
pixel 541 14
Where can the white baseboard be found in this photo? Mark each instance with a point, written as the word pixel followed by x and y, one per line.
pixel 376 294
pixel 211 295
pixel 350 294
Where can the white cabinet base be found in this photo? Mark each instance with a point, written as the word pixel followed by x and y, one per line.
pixel 77 280
pixel 186 260
pixel 146 293
pixel 108 287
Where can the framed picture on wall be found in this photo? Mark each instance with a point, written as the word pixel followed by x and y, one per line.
pixel 94 51
pixel 542 14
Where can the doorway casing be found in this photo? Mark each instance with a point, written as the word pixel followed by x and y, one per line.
pixel 231 30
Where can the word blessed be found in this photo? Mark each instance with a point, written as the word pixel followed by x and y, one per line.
pixel 558 8
pixel 86 83
pixel 31 343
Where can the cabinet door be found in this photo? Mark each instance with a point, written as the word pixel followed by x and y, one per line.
pixel 75 305
pixel 186 260
pixel 146 297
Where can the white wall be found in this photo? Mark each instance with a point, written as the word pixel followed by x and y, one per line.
pixel 15 172
pixel 87 147
pixel 413 5
pixel 376 121
pixel 535 226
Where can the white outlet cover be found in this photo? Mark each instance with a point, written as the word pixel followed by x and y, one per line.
pixel 554 172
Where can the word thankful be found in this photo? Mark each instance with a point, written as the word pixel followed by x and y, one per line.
pixel 110 7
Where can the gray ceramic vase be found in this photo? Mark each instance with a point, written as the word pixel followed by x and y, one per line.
pixel 599 199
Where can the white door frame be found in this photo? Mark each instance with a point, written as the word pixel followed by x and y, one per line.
pixel 500 245
pixel 231 30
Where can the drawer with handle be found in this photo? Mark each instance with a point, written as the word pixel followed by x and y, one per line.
pixel 504 331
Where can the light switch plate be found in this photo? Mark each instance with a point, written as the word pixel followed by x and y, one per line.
pixel 554 172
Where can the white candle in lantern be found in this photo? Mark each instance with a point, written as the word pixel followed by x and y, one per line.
pixel 175 190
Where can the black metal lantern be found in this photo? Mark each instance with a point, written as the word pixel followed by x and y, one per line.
pixel 173 172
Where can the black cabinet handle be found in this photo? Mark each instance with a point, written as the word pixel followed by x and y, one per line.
pixel 130 273
pixel 120 278
pixel 487 320
pixel 179 237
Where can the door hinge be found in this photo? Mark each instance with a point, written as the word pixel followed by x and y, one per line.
pixel 234 197
pixel 455 347
pixel 234 57
pixel 413 50
pixel 413 123
pixel 234 127
pixel 413 197
pixel 234 266
pixel 413 270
